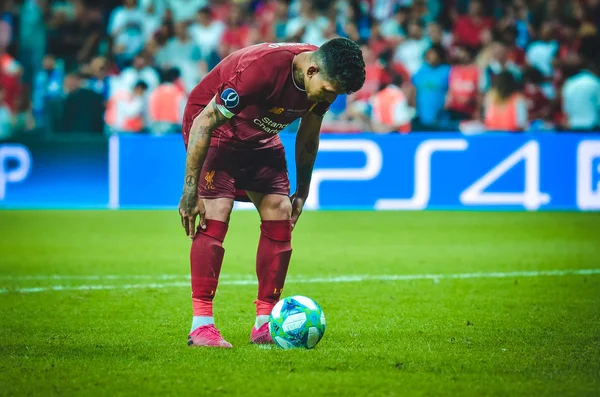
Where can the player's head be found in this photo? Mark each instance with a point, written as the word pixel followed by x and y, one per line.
pixel 337 67
pixel 140 88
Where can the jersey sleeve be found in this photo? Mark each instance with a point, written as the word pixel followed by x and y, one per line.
pixel 320 108
pixel 245 87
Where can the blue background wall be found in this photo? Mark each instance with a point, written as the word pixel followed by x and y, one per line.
pixel 364 171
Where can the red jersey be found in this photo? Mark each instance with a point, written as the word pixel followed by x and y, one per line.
pixel 468 33
pixel 463 88
pixel 253 86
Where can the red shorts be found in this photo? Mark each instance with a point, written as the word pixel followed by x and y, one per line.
pixel 230 173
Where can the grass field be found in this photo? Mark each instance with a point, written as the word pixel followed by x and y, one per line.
pixel 98 303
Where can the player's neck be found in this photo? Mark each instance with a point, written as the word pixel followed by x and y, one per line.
pixel 298 69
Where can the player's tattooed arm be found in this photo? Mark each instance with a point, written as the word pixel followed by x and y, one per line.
pixel 307 145
pixel 199 140
pixel 204 124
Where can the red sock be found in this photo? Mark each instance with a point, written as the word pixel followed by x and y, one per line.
pixel 206 257
pixel 272 261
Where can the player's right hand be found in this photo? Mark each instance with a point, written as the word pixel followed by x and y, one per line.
pixel 190 206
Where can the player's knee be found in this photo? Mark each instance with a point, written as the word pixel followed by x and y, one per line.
pixel 218 209
pixel 278 208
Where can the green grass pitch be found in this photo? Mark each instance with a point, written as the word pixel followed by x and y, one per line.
pixel 115 318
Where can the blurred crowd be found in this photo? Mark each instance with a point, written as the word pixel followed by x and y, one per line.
pixel 432 65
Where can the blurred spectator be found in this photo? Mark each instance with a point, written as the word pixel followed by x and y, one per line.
pixel 126 27
pixel 206 33
pixel 394 29
pixel 7 22
pixel 505 108
pixel 160 38
pixel 352 19
pixel 468 28
pixel 144 38
pixel 569 40
pixel 515 54
pixel 153 19
pixel 521 23
pixel 581 101
pixel 410 52
pixel 498 64
pixel 541 52
pixel 47 95
pixel 140 70
pixel 437 36
pixel 76 41
pixel 377 43
pixel 166 105
pixel 538 105
pixel 279 25
pixel 32 36
pixel 383 9
pixel 156 7
pixel 83 108
pixel 98 79
pixel 485 54
pixel 5 117
pixel 182 53
pixel 431 84
pixel 131 110
pixel 310 26
pixel 390 109
pixel 376 75
pixel 22 119
pixel 463 82
pixel 239 33
pixel 10 78
pixel 185 10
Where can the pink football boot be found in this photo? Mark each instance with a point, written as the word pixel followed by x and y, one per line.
pixel 262 335
pixel 207 335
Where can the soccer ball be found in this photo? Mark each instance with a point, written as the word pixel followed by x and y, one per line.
pixel 297 321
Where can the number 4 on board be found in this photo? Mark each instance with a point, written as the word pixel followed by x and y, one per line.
pixel 531 199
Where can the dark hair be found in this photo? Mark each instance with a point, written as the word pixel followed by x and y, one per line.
pixel 533 75
pixel 342 62
pixel 205 10
pixel 440 51
pixel 397 79
pixel 171 75
pixel 141 84
pixel 505 84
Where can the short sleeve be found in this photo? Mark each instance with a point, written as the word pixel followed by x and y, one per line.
pixel 247 86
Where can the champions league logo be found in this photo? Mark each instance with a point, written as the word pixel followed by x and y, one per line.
pixel 230 98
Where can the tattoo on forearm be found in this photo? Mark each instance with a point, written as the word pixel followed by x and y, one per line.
pixel 190 180
pixel 210 119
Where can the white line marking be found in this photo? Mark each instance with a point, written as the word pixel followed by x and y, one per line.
pixel 113 171
pixel 309 280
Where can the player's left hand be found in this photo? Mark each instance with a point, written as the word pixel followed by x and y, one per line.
pixel 297 205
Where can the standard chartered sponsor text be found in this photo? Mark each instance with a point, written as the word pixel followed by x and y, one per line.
pixel 269 126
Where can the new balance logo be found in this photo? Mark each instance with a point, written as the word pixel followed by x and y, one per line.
pixel 276 110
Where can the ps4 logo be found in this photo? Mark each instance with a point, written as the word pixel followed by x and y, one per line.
pixel 15 165
pixel 588 175
pixel 531 198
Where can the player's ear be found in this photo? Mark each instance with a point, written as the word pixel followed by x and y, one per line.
pixel 312 70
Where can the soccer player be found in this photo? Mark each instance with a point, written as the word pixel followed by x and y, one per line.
pixel 230 129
